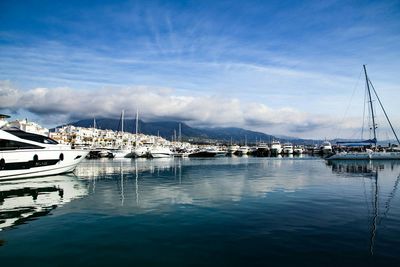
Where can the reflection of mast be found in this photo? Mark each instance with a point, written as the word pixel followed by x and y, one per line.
pixel 122 184
pixel 136 183
pixel 375 217
pixel 180 172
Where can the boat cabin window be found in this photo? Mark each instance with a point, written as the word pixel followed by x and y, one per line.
pixel 30 136
pixel 13 145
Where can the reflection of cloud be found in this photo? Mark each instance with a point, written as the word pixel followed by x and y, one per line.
pixel 195 182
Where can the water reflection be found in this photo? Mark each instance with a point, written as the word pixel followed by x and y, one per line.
pixel 159 183
pixel 28 199
pixel 258 206
pixel 370 170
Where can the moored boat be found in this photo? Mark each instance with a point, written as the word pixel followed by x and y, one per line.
pixel 372 152
pixel 25 155
pixel 276 147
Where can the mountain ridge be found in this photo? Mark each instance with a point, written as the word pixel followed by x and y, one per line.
pixel 169 129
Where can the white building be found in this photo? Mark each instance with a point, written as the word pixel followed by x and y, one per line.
pixel 29 126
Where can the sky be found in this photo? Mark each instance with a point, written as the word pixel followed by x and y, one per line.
pixel 289 68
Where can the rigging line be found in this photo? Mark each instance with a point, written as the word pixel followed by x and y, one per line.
pixel 351 99
pixel 384 111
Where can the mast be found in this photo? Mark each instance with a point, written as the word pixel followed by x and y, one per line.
pixel 137 126
pixel 122 121
pixel 180 133
pixel 370 102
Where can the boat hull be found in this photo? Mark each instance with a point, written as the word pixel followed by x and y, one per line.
pixel 36 163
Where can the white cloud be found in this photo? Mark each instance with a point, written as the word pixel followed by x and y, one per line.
pixel 67 104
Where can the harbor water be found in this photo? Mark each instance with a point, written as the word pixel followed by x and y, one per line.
pixel 230 211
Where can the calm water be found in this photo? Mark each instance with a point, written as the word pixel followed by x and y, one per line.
pixel 205 212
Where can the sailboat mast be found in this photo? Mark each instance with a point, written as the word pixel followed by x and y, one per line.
pixel 370 102
pixel 122 121
pixel 137 126
pixel 180 133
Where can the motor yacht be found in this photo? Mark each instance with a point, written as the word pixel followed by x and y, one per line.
pixel 325 148
pixel 276 147
pixel 287 148
pixel 158 151
pixel 298 149
pixel 24 155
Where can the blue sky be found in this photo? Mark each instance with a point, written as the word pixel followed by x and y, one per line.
pixel 282 67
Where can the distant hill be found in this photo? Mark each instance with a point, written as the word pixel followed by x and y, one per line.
pixel 167 130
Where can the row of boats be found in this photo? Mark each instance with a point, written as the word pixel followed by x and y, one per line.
pixel 187 150
pixel 24 154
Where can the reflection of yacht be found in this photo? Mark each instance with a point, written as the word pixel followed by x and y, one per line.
pixel 25 154
pixel 25 200
pixel 353 167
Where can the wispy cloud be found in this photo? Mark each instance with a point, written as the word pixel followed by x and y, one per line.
pixel 285 66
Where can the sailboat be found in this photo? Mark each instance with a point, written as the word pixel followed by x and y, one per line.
pixel 123 151
pixel 139 150
pixel 369 154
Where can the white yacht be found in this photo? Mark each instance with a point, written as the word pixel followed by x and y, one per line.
pixel 124 152
pixel 158 151
pixel 243 150
pixel 141 150
pixel 298 149
pixel 24 155
pixel 276 147
pixel 326 147
pixel 232 149
pixel 287 148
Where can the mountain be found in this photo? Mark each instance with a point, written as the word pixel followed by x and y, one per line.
pixel 168 129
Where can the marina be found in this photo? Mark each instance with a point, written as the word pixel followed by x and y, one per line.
pixel 219 211
pixel 199 133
